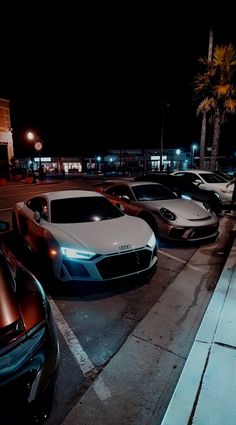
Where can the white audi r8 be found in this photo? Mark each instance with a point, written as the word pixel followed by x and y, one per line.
pixel 81 236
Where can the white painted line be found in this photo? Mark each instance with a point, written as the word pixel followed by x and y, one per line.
pixel 73 343
pixel 101 389
pixel 165 254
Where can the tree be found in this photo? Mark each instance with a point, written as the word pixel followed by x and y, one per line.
pixel 216 89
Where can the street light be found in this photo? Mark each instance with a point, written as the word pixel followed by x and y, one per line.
pixel 38 144
pixel 178 151
pixel 99 162
pixel 193 150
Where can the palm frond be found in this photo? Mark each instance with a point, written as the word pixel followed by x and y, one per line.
pixel 230 105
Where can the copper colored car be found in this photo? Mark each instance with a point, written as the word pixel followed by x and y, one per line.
pixel 29 349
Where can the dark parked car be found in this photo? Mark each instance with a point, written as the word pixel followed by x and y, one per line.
pixel 29 349
pixel 184 188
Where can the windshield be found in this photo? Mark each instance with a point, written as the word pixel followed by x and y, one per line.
pixel 82 210
pixel 212 178
pixel 152 192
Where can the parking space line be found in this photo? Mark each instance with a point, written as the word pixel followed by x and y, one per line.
pixel 165 254
pixel 101 389
pixel 72 341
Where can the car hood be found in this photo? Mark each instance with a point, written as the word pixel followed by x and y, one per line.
pixel 182 208
pixel 104 236
pixel 219 186
pixel 9 309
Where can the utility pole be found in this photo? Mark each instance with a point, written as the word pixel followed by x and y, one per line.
pixel 203 130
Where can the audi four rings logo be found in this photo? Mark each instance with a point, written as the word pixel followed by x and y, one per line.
pixel 123 247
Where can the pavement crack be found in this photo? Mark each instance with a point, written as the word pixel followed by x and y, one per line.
pixel 159 346
pixel 231 347
pixel 193 304
pixel 191 417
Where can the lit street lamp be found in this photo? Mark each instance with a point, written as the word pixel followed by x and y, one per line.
pixel 99 162
pixel 193 151
pixel 178 151
pixel 38 144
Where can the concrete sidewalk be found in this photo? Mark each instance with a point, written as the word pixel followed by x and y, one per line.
pixel 205 393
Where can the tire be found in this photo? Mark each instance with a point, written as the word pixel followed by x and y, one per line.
pixel 46 267
pixel 15 227
pixel 44 256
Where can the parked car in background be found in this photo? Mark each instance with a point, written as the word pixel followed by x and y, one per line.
pixel 185 188
pixel 169 217
pixel 81 236
pixel 224 175
pixel 29 348
pixel 207 180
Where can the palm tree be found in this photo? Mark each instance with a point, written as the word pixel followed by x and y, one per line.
pixel 216 90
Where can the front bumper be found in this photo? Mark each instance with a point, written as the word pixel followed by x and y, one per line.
pixel 193 234
pixel 108 267
pixel 27 373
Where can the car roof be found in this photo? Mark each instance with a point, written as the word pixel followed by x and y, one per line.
pixel 194 171
pixel 65 194
pixel 138 183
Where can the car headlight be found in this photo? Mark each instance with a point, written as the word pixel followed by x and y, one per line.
pixel 167 214
pixel 152 241
pixel 75 254
pixel 186 197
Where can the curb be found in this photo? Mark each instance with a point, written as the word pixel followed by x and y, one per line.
pixel 205 391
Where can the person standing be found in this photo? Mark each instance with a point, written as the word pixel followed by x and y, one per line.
pixel 44 173
pixel 233 199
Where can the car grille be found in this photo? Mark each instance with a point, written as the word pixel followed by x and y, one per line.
pixel 124 264
pixel 203 232
pixel 197 233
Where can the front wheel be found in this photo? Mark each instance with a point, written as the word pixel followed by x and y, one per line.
pixel 14 223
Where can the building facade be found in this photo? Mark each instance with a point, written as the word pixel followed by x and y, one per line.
pixel 6 141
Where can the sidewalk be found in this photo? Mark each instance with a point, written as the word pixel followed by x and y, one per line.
pixel 205 393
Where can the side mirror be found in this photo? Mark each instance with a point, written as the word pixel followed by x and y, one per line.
pixel 197 182
pixel 121 207
pixel 37 216
pixel 126 198
pixel 4 226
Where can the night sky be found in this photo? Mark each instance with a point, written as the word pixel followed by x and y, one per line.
pixel 96 78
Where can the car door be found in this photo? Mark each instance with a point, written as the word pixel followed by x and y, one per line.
pixel 122 195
